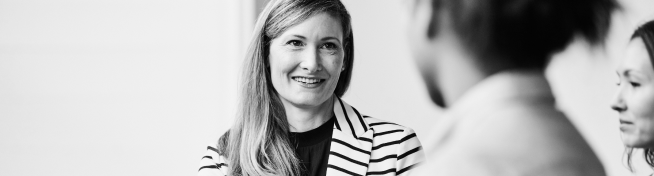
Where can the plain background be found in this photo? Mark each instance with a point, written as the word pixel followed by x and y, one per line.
pixel 140 87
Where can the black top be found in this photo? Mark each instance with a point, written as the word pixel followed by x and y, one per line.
pixel 312 148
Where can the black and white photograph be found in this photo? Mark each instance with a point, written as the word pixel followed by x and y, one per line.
pixel 327 87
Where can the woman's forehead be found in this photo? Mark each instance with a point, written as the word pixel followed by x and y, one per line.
pixel 320 25
pixel 637 58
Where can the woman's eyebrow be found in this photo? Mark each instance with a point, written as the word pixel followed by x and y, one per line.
pixel 627 73
pixel 299 36
pixel 330 38
pixel 623 72
pixel 630 74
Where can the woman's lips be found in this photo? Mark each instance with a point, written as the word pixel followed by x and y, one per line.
pixel 308 82
pixel 625 125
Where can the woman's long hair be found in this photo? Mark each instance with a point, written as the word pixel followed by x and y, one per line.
pixel 258 143
pixel 645 32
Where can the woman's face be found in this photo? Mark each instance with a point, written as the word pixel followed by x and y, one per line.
pixel 635 97
pixel 306 61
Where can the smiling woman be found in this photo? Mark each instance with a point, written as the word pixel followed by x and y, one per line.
pixel 306 62
pixel 635 97
pixel 291 120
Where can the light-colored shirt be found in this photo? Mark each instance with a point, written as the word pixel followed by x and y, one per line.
pixel 508 125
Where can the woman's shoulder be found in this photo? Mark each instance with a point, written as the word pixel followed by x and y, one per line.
pixel 384 125
pixel 393 139
pixel 213 155
pixel 387 133
pixel 214 162
pixel 222 143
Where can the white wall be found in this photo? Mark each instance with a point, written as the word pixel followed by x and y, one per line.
pixel 139 87
pixel 114 87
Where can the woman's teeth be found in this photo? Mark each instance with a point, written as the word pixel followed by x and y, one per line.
pixel 307 80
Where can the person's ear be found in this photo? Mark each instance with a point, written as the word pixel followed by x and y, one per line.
pixel 424 17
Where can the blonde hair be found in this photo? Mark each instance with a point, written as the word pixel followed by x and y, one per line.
pixel 257 143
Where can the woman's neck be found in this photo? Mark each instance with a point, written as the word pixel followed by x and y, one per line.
pixel 303 119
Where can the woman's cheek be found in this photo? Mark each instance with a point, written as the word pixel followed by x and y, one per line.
pixel 333 64
pixel 646 135
pixel 643 110
pixel 647 102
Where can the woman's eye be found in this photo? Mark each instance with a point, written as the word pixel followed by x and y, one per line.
pixel 329 46
pixel 634 84
pixel 296 43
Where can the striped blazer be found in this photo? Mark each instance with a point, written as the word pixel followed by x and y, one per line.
pixel 361 145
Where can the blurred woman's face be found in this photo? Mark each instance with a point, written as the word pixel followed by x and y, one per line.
pixel 306 61
pixel 635 98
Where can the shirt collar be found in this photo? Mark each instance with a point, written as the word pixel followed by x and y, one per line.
pixel 495 92
pixel 507 86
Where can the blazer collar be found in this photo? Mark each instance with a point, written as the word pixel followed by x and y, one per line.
pixel 348 119
pixel 351 144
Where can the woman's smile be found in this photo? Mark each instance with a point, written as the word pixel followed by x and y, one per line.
pixel 308 82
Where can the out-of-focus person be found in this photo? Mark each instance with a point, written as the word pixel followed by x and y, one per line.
pixel 483 61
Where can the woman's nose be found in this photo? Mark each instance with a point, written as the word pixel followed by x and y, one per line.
pixel 618 103
pixel 311 61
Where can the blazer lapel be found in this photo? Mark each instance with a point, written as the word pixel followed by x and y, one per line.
pixel 351 142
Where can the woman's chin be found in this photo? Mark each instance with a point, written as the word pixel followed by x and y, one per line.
pixel 633 142
pixel 308 101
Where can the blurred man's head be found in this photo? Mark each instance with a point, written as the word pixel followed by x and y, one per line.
pixel 497 35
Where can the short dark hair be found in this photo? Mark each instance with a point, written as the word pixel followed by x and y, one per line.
pixel 525 33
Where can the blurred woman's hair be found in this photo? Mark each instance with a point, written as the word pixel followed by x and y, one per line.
pixel 522 33
pixel 646 33
pixel 258 143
